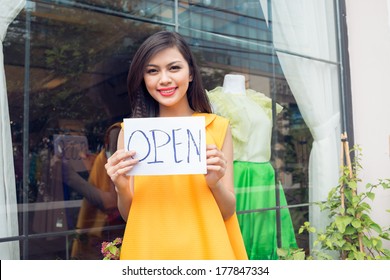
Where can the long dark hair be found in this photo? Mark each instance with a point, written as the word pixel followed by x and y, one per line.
pixel 141 103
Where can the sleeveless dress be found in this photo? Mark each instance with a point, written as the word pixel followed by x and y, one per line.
pixel 176 216
pixel 250 117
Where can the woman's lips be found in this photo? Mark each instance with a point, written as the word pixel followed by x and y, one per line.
pixel 167 91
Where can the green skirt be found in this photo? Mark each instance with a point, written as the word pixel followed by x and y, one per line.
pixel 254 185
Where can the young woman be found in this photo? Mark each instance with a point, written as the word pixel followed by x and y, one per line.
pixel 176 216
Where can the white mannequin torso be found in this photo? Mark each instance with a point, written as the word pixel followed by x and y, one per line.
pixel 251 126
pixel 234 84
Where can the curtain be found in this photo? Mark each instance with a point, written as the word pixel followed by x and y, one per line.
pixel 264 7
pixel 304 37
pixel 8 205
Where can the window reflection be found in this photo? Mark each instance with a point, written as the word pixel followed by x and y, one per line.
pixel 80 54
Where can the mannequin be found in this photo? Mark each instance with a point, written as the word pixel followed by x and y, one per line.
pixel 234 84
pixel 250 115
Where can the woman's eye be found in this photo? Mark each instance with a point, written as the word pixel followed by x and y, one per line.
pixel 151 71
pixel 175 67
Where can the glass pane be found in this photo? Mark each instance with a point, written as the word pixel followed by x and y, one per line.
pixel 241 19
pixel 153 10
pixel 299 215
pixel 78 69
pixel 50 248
pixel 313 31
pixel 79 57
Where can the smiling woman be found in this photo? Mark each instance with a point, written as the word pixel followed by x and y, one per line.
pixel 168 75
pixel 66 67
pixel 186 216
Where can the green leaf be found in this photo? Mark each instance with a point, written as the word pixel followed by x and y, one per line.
pixel 331 193
pixel 342 222
pixel 350 231
pixel 385 235
pixel 355 201
pixel 299 256
pixel 371 195
pixel 366 241
pixel 356 223
pixel 113 250
pixel 322 206
pixel 281 252
pixel 359 256
pixel 351 211
pixel 348 195
pixel 346 246
pixel 352 185
pixel 365 206
pixel 376 227
pixel 379 244
pixel 329 244
pixel 340 243
pixel 321 237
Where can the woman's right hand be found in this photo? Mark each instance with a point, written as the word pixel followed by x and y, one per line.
pixel 118 165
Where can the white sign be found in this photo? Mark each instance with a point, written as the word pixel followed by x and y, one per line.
pixel 174 145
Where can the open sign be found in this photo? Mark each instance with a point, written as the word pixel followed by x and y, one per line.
pixel 175 145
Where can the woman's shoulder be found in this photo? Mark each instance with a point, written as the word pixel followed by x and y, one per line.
pixel 213 119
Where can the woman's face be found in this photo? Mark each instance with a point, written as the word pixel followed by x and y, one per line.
pixel 167 77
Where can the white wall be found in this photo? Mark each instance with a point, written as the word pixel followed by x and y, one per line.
pixel 369 50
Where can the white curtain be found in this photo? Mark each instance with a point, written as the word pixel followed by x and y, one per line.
pixel 302 30
pixel 9 9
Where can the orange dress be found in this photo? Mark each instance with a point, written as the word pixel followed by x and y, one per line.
pixel 175 217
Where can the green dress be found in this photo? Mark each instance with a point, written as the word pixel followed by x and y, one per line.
pixel 250 117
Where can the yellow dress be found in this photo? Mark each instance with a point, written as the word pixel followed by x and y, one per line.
pixel 176 217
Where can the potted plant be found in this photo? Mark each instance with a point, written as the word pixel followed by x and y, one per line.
pixel 351 233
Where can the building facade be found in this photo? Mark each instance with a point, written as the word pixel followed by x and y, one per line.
pixel 368 65
pixel 66 65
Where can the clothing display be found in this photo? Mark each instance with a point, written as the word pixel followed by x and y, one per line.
pixel 250 116
pixel 177 217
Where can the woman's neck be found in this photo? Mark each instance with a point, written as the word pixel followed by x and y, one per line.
pixel 175 112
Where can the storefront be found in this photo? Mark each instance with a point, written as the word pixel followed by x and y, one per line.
pixel 66 65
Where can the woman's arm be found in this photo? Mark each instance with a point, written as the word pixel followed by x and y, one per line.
pixel 220 175
pixel 117 167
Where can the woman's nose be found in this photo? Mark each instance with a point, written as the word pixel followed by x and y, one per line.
pixel 165 78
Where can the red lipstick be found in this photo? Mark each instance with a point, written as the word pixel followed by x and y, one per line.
pixel 167 91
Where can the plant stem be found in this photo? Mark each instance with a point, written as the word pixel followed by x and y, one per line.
pixel 354 192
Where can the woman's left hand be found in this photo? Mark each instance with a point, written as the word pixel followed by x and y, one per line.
pixel 216 165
